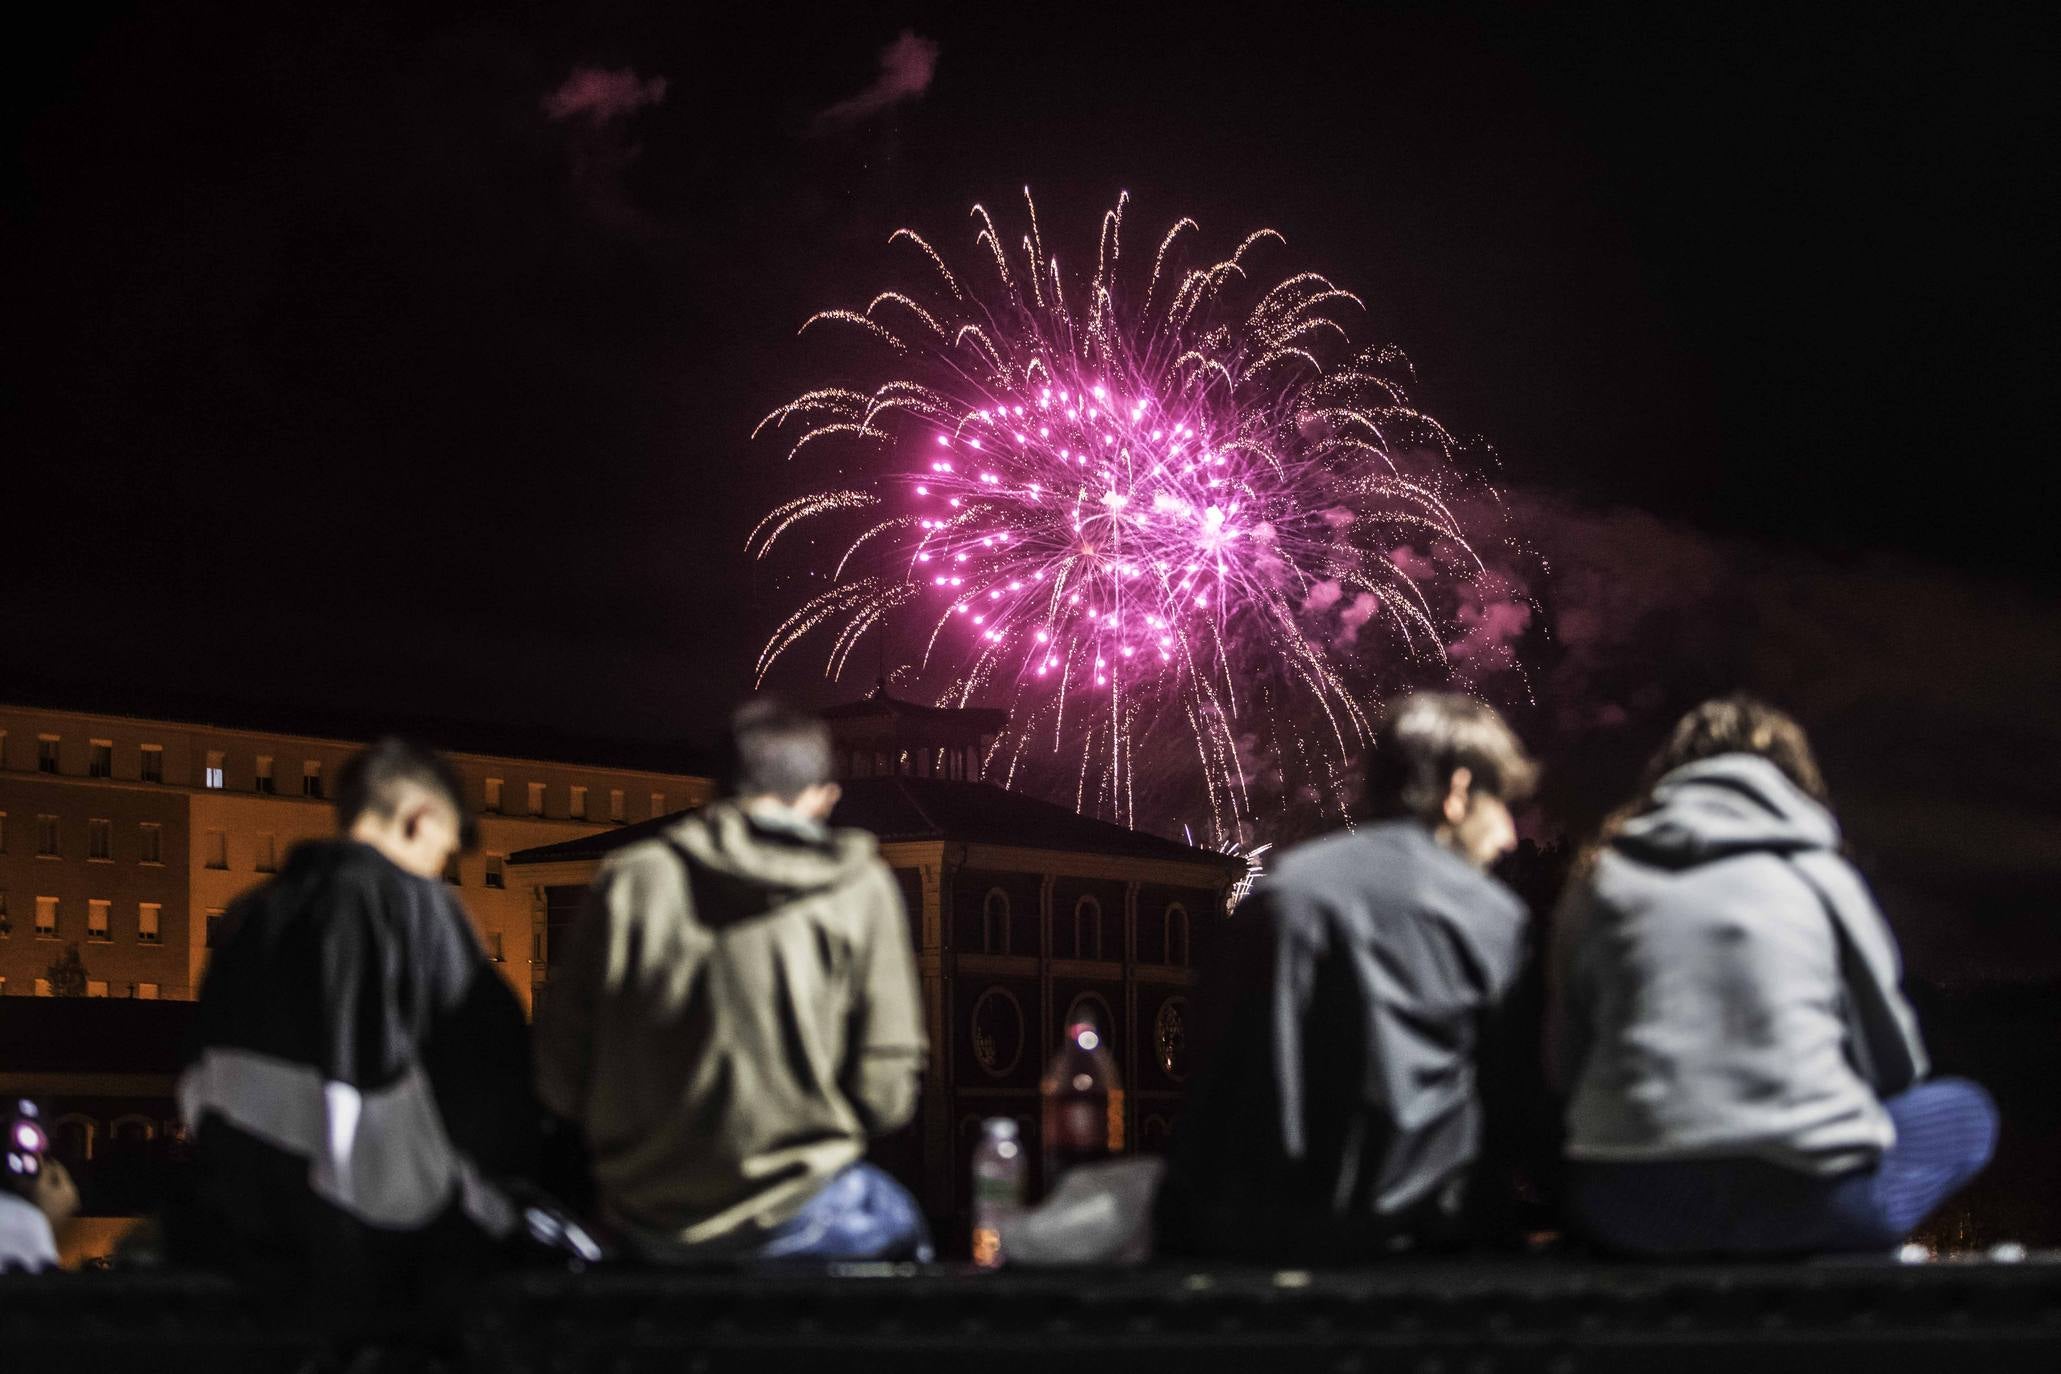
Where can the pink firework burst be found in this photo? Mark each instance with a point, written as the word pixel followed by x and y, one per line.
pixel 1170 515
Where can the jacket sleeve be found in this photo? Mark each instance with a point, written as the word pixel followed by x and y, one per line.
pixel 477 1052
pixel 1284 921
pixel 1887 1048
pixel 885 1042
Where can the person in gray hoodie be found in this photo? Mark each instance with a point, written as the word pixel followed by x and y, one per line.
pixel 1742 1072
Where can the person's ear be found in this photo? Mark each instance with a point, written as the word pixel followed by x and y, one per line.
pixel 1459 793
pixel 411 822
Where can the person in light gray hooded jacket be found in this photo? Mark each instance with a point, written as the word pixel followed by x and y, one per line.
pixel 1742 1072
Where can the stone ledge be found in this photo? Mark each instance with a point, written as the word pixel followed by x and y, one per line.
pixel 1451 1317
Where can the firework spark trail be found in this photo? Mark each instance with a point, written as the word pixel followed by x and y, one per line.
pixel 1127 522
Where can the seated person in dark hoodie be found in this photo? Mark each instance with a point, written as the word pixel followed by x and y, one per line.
pixel 1338 1114
pixel 738 1012
pixel 360 1076
pixel 1743 1073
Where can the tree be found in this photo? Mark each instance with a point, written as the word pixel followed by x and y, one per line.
pixel 68 975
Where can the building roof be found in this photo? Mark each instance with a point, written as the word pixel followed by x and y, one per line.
pixel 908 808
pixel 985 719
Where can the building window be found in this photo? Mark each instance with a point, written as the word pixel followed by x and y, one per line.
pixel 147 918
pixel 46 753
pixel 577 808
pixel 536 799
pixel 493 794
pixel 46 837
pixel 268 853
pixel 658 803
pixel 615 803
pixel 146 992
pixel 1087 928
pixel 153 843
pixel 96 922
pixel 1177 935
pixel 311 779
pixel 46 918
pixel 96 987
pixel 497 875
pixel 153 763
pixel 264 782
pixel 42 987
pixel 218 849
pixel 100 762
pixel 100 841
pixel 214 927
pixel 495 949
pixel 6 925
pixel 213 777
pixel 994 922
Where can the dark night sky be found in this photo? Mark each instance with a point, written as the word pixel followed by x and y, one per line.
pixel 345 378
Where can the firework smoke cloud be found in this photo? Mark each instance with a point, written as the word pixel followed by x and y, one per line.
pixel 906 67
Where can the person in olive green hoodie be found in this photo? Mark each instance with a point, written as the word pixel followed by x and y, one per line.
pixel 738 1012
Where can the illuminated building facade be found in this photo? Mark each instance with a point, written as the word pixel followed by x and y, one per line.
pixel 129 837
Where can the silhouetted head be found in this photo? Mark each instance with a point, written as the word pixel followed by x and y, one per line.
pixel 775 753
pixel 406 801
pixel 1451 762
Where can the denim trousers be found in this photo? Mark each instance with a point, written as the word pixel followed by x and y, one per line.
pixel 862 1213
pixel 1945 1132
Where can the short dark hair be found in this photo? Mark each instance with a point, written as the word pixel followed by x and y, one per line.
pixel 371 782
pixel 1425 737
pixel 772 749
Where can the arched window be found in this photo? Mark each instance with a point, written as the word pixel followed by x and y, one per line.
pixel 994 922
pixel 1176 935
pixel 1087 928
pixel 74 1137
pixel 132 1129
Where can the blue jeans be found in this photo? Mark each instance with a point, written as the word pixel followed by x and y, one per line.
pixel 1945 1133
pixel 860 1214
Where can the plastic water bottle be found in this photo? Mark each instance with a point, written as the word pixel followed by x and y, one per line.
pixel 1000 1174
pixel 1084 1104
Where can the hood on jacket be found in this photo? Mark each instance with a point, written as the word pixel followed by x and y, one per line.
pixel 1731 804
pixel 745 852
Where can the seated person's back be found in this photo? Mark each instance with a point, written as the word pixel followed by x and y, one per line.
pixel 738 1013
pixel 1338 1108
pixel 1743 1073
pixel 360 1075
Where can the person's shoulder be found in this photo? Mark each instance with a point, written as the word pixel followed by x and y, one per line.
pixel 1318 864
pixel 645 858
pixel 857 847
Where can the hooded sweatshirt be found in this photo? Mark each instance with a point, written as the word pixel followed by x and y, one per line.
pixel 738 1011
pixel 1728 988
